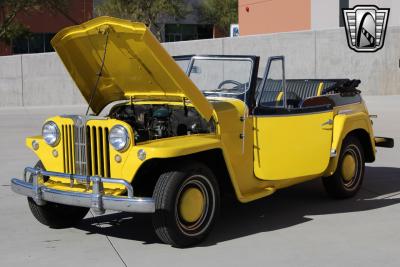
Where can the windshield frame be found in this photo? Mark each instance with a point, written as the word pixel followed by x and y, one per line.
pixel 222 58
pixel 249 94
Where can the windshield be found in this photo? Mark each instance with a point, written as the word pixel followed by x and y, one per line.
pixel 221 75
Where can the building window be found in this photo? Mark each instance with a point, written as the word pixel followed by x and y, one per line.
pixel 342 4
pixel 34 43
pixel 186 32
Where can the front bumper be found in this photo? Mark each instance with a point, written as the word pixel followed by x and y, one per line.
pixel 97 200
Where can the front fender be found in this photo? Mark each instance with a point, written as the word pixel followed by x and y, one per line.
pixel 168 148
pixel 51 157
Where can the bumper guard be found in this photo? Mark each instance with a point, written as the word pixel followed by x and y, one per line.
pixel 96 200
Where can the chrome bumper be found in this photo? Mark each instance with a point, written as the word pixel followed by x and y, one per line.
pixel 96 200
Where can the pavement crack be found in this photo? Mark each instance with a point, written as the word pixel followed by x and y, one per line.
pixel 116 251
pixel 98 224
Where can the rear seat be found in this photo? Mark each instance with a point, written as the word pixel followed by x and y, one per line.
pixel 296 90
pixel 303 88
pixel 272 93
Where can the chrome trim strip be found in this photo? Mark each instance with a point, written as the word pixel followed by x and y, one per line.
pixel 96 200
pixel 345 111
pixel 80 145
pixel 88 117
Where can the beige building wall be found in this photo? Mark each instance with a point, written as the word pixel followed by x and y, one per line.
pixel 270 16
pixel 324 14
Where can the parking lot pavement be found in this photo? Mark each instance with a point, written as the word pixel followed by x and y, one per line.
pixel 298 226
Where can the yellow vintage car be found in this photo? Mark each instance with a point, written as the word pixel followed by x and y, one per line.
pixel 174 136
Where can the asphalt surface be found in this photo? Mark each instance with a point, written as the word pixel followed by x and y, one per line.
pixel 298 226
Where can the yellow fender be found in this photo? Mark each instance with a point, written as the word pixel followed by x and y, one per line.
pixel 343 125
pixel 168 148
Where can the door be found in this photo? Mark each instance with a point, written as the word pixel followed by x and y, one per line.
pixel 289 141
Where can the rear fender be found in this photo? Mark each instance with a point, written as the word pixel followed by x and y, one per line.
pixel 344 125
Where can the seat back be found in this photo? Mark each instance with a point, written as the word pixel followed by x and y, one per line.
pixel 272 93
pixel 303 88
pixel 296 89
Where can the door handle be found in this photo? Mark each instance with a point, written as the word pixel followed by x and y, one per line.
pixel 328 122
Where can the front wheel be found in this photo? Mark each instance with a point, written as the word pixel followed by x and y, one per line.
pixel 187 203
pixel 349 174
pixel 56 215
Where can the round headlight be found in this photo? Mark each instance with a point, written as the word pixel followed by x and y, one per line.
pixel 50 133
pixel 119 137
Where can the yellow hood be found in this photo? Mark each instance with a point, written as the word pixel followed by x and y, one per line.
pixel 136 64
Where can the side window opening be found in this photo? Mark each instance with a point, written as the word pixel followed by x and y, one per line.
pixel 271 92
pixel 277 95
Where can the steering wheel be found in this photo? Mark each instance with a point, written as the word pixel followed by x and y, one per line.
pixel 227 82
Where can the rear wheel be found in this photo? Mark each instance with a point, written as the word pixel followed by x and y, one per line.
pixel 56 215
pixel 187 203
pixel 349 174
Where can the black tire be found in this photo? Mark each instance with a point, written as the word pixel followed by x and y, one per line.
pixel 169 193
pixel 338 185
pixel 56 215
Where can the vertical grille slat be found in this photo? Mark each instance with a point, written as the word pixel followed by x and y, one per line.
pixel 66 158
pixel 93 146
pixel 82 150
pixel 106 154
pixel 71 150
pixel 68 149
pixel 89 150
pixel 100 150
pixel 64 140
pixel 94 150
pixel 85 149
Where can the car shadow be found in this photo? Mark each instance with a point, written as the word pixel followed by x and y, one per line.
pixel 286 208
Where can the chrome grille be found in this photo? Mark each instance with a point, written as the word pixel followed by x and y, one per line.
pixel 85 148
pixel 98 151
pixel 80 149
pixel 68 148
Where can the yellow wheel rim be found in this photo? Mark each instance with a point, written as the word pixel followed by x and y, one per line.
pixel 191 205
pixel 348 167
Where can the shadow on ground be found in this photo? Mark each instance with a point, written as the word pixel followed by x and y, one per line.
pixel 286 208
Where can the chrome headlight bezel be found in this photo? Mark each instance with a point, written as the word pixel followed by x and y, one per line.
pixel 119 138
pixel 51 136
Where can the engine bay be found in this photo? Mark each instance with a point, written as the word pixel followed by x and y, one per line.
pixel 156 121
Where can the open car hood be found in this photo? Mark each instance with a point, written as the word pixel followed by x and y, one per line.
pixel 136 65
